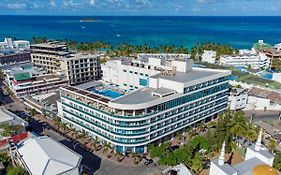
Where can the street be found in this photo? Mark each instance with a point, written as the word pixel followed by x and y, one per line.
pixel 96 164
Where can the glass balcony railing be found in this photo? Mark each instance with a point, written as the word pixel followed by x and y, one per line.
pixel 106 129
pixel 116 141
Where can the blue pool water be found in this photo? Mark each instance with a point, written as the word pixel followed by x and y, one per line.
pixel 107 93
pixel 110 93
pixel 267 76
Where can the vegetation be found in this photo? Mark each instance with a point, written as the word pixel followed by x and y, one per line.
pixel 5 159
pixel 276 63
pixel 10 130
pixel 231 126
pixel 219 48
pixel 122 49
pixel 245 77
pixel 2 75
pixel 16 170
pixel 277 161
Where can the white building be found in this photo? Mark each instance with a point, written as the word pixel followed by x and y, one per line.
pixel 258 161
pixel 143 102
pixel 261 98
pixel 9 46
pixel 165 56
pixel 246 59
pixel 209 56
pixel 45 156
pixel 238 98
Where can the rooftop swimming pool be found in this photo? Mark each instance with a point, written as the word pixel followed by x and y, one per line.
pixel 106 92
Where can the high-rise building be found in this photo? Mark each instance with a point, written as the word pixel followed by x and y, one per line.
pixel 140 102
pixel 56 57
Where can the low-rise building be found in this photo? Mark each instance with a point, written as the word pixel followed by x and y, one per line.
pixel 11 46
pixel 209 56
pixel 246 60
pixel 55 57
pixel 45 156
pixel 238 98
pixel 261 98
pixel 26 80
pixel 45 104
pixel 170 98
pixel 13 52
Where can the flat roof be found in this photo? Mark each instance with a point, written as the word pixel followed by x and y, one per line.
pixel 163 91
pixel 194 74
pixel 22 76
pixel 140 96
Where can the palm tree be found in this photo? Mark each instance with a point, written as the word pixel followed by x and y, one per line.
pixel 57 122
pixel 107 148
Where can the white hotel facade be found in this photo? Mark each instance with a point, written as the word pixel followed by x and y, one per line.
pixel 160 98
pixel 246 59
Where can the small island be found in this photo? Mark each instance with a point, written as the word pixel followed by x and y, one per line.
pixel 88 20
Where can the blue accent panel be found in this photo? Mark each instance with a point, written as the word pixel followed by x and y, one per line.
pixel 119 148
pixel 140 149
pixel 143 82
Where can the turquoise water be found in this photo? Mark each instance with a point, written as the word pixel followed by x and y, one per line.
pixel 267 76
pixel 106 92
pixel 241 32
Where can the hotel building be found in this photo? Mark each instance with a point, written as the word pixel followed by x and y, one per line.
pixel 246 59
pixel 55 57
pixel 141 102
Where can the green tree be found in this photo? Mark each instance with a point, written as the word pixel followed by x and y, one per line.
pixel 197 163
pixel 17 170
pixel 272 145
pixel 5 159
pixel 277 161
pixel 2 75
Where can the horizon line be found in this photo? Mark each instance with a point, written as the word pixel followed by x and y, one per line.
pixel 142 15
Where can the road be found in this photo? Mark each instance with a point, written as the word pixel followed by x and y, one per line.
pixel 98 165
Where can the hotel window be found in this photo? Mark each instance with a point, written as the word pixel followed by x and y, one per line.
pixel 136 73
pixel 143 82
pixel 124 70
pixel 141 74
pixel 131 72
pixel 125 84
pixel 146 75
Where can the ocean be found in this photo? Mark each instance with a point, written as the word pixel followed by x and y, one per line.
pixel 240 32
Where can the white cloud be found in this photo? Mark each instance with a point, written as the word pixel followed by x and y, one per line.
pixel 53 3
pixel 196 9
pixel 16 5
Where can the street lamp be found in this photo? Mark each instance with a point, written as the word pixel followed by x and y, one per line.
pixel 279 116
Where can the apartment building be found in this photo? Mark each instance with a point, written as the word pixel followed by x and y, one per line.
pixel 173 97
pixel 56 57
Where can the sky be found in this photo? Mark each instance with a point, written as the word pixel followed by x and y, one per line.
pixel 142 7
